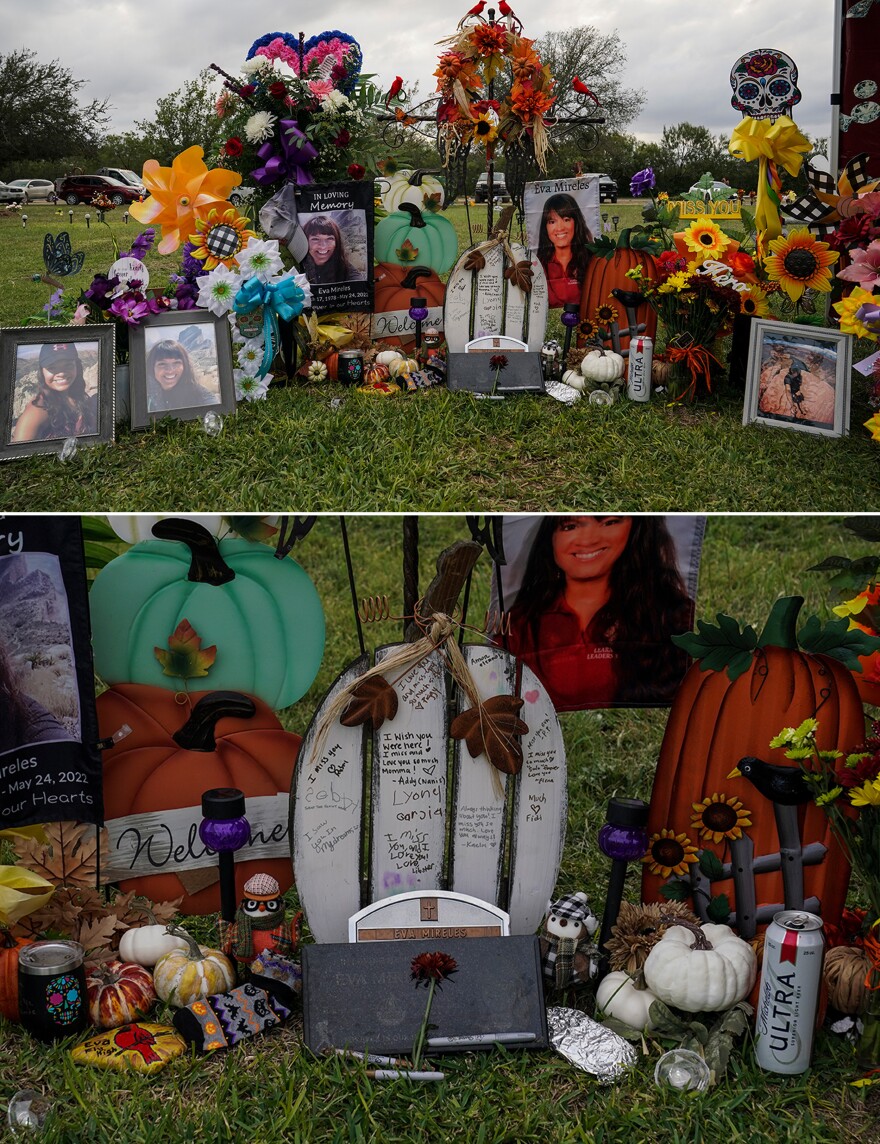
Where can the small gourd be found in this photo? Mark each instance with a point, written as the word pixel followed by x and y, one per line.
pixel 118 993
pixel 574 379
pixel 618 997
pixel 144 945
pixel 183 976
pixel 403 366
pixel 701 968
pixel 602 366
pixel 388 357
pixel 377 372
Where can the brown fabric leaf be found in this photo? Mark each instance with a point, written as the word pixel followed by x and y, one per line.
pixel 68 857
pixel 520 274
pixel 474 261
pixel 491 730
pixel 372 701
pixel 95 936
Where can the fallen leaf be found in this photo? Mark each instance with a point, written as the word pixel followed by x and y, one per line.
pixel 69 856
pixel 474 261
pixel 491 730
pixel 520 274
pixel 372 701
pixel 95 936
pixel 186 658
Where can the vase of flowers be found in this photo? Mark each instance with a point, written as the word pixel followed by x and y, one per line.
pixel 848 790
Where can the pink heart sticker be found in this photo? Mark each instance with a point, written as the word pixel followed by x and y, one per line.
pixel 532 696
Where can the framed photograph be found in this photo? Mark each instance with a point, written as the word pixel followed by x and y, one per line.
pixel 56 382
pixel 337 220
pixel 798 378
pixel 181 366
pixel 562 216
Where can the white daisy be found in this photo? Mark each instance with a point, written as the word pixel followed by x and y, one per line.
pixel 317 371
pixel 249 388
pixel 260 259
pixel 250 356
pixel 260 126
pixel 217 290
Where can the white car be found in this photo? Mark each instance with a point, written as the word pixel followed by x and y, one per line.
pixel 34 189
pixel 240 195
pixel 10 194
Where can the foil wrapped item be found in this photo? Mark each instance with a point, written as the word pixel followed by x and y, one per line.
pixel 589 1045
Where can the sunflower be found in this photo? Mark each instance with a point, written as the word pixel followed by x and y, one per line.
pixel 799 261
pixel 706 239
pixel 753 302
pixel 219 237
pixel 588 329
pixel 669 853
pixel 606 314
pixel 848 307
pixel 485 128
pixel 873 425
pixel 718 817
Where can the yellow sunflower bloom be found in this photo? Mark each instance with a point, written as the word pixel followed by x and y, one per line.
pixel 800 261
pixel 867 795
pixel 606 313
pixel 669 853
pixel 485 128
pixel 718 817
pixel 873 426
pixel 847 309
pixel 706 239
pixel 754 302
pixel 219 237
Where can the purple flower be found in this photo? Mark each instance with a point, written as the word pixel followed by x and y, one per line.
pixel 143 244
pixel 642 181
pixel 186 295
pixel 131 308
pixel 191 267
pixel 101 289
pixel 53 306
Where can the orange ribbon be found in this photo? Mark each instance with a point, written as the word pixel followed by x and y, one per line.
pixel 872 950
pixel 698 360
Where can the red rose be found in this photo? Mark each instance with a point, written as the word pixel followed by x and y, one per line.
pixel 356 171
pixel 343 138
pixel 248 89
pixel 741 263
pixel 277 90
pixel 762 65
pixel 233 147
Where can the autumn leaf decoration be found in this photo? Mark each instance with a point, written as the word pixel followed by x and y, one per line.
pixel 474 261
pixel 186 658
pixel 373 700
pixel 250 527
pixel 520 274
pixel 407 252
pixel 491 729
pixel 68 856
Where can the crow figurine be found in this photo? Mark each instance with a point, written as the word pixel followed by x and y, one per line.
pixel 785 786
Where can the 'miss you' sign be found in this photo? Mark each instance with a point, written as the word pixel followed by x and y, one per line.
pixel 167 841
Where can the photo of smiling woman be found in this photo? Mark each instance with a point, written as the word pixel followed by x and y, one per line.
pixel 326 260
pixel 171 380
pixel 562 248
pixel 61 407
pixel 599 599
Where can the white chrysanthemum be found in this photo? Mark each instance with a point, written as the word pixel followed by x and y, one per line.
pixel 260 127
pixel 255 64
pixel 249 388
pixel 334 101
pixel 317 371
pixel 217 290
pixel 260 259
pixel 250 356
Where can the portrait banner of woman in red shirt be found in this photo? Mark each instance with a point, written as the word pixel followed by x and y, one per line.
pixel 562 217
pixel 595 600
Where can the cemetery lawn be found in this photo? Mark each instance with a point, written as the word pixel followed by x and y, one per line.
pixel 272 1089
pixel 434 450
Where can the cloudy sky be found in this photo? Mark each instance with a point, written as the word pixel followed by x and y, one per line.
pixel 679 51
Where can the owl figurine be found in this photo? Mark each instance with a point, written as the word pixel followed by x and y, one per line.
pixel 260 923
pixel 568 954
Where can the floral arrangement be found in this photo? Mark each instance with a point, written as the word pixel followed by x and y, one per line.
pixel 468 110
pixel 298 112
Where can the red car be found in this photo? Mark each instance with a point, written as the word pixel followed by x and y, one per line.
pixel 75 189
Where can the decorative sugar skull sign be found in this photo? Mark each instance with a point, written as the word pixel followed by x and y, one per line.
pixel 764 84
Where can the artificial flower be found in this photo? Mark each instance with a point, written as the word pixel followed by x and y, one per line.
pixel 675 283
pixel 260 126
pixel 485 128
pixel 489 39
pixel 873 427
pixel 529 102
pixel 800 261
pixel 356 171
pixel 642 181
pixel 753 302
pixel 53 306
pixel 260 259
pixel 606 314
pixel 277 89
pixel 180 194
pixel 718 817
pixel 851 320
pixel 233 147
pixel 131 308
pixel 334 100
pixel 219 237
pixel 740 263
pixel 867 795
pixel 80 315
pixel 248 388
pixel 864 267
pixel 250 356
pixel 454 66
pixel 705 239
pixel 670 262
pixel 524 60
pixel 217 290
pixel 343 138
pixel 857 770
pixel 669 853
pixel 254 65
pixel 428 967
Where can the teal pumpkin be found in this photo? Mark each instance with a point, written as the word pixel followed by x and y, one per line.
pixel 408 235
pixel 262 613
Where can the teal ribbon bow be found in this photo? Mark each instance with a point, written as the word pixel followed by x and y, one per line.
pixel 282 299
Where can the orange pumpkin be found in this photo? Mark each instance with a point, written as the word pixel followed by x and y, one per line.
pixel 376 372
pixel 180 746
pixel 331 361
pixel 715 722
pixel 396 286
pixel 606 274
pixel 119 992
pixel 9 950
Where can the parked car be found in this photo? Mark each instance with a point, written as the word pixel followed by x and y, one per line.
pixel 34 189
pixel 10 194
pixel 717 190
pixel 607 186
pixel 499 187
pixel 75 189
pixel 123 175
pixel 240 195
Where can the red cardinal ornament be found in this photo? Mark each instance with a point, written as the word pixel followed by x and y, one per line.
pixel 475 11
pixel 581 88
pixel 394 90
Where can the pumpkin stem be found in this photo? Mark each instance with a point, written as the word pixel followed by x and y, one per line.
pixel 194 953
pixel 700 939
pixel 7 941
pixel 199 731
pixel 412 276
pixel 781 627
pixel 417 177
pixel 416 219
pixel 144 908
pixel 207 566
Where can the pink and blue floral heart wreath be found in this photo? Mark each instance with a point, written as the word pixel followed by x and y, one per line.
pixel 285 46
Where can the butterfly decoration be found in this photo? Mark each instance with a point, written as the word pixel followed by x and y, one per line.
pixel 59 257
pixel 859 10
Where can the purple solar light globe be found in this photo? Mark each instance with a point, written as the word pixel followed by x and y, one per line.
pixel 224 827
pixel 623 837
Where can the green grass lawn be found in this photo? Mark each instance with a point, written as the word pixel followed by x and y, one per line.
pixel 271 1089
pixel 435 450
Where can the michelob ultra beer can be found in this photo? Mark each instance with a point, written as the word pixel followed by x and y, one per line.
pixel 638 378
pixel 794 947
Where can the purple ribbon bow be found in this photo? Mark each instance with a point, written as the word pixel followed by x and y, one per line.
pixel 291 161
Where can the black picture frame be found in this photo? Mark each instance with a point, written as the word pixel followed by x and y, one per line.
pixel 21 348
pixel 203 336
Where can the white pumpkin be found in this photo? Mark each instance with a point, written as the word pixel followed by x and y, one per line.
pixel 386 357
pixel 602 366
pixel 706 968
pixel 134 527
pixel 144 945
pixel 574 379
pixel 618 997
pixel 401 190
